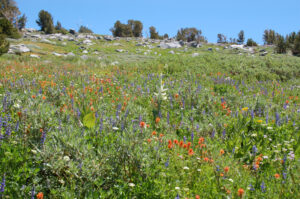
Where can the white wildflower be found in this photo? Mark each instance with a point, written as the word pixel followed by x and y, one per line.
pixel 66 158
pixel 230 180
pixel 131 184
pixel 186 168
pixel 177 188
pixel 115 128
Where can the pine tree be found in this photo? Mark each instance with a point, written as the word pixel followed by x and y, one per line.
pixel 153 33
pixel 45 21
pixel 241 37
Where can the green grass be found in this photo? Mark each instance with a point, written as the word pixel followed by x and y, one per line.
pixel 71 128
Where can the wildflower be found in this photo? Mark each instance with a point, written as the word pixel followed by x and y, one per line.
pixel 221 174
pixel 177 188
pixel 157 120
pixel 161 135
pixel 40 195
pixel 245 109
pixel 177 196
pixel 259 121
pixel 149 140
pixel 263 187
pixel 277 176
pixel 191 152
pixel 181 143
pixel 131 184
pixel 241 192
pixel 2 185
pixel 230 180
pixel 66 158
pixel 186 168
pixel 175 141
pixel 226 169
pixel 251 187
pixel 201 140
pixel 33 96
pixel 206 159
pixel 222 152
pixel 43 97
pixel 154 133
pixel 142 124
pixel 197 197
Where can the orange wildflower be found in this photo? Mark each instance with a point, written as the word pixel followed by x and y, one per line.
pixel 277 176
pixel 154 133
pixel 226 169
pixel 181 143
pixel 142 124
pixel 33 96
pixel 197 197
pixel 161 135
pixel 206 159
pixel 43 97
pixel 157 120
pixel 222 152
pixel 149 140
pixel 191 152
pixel 221 174
pixel 241 192
pixel 40 195
pixel 201 140
pixel 176 141
pixel 176 95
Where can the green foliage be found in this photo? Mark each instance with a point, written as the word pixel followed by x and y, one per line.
pixel 45 21
pixel 4 44
pixel 60 29
pixel 153 33
pixel 133 28
pixel 190 34
pixel 221 38
pixel 22 22
pixel 296 45
pixel 281 45
pixel 6 28
pixel 251 42
pixel 269 37
pixel 9 10
pixel 84 29
pixel 241 37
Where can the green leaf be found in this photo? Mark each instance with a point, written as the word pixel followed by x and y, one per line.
pixel 89 120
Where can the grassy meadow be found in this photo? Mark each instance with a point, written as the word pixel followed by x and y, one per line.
pixel 220 124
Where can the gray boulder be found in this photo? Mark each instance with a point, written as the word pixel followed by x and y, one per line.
pixel 21 48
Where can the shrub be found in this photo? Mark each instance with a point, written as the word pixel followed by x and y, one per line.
pixel 250 42
pixel 6 28
pixel 60 29
pixel 153 33
pixel 4 45
pixel 45 21
pixel 84 29
pixel 133 28
pixel 190 34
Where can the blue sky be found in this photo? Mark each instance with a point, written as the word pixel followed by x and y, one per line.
pixel 211 16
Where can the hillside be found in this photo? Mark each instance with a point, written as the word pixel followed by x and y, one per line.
pixel 94 116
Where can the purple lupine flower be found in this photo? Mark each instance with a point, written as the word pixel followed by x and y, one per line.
pixel 252 114
pixel 251 187
pixel 192 136
pixel 168 118
pixel 267 118
pixel 277 117
pixel 43 137
pixel 217 168
pixel 32 192
pixel 224 133
pixel 17 126
pixel 167 163
pixel 284 175
pixel 2 184
pixel 213 134
pixel 184 138
pixel 263 186
pixel 254 149
pixel 177 196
